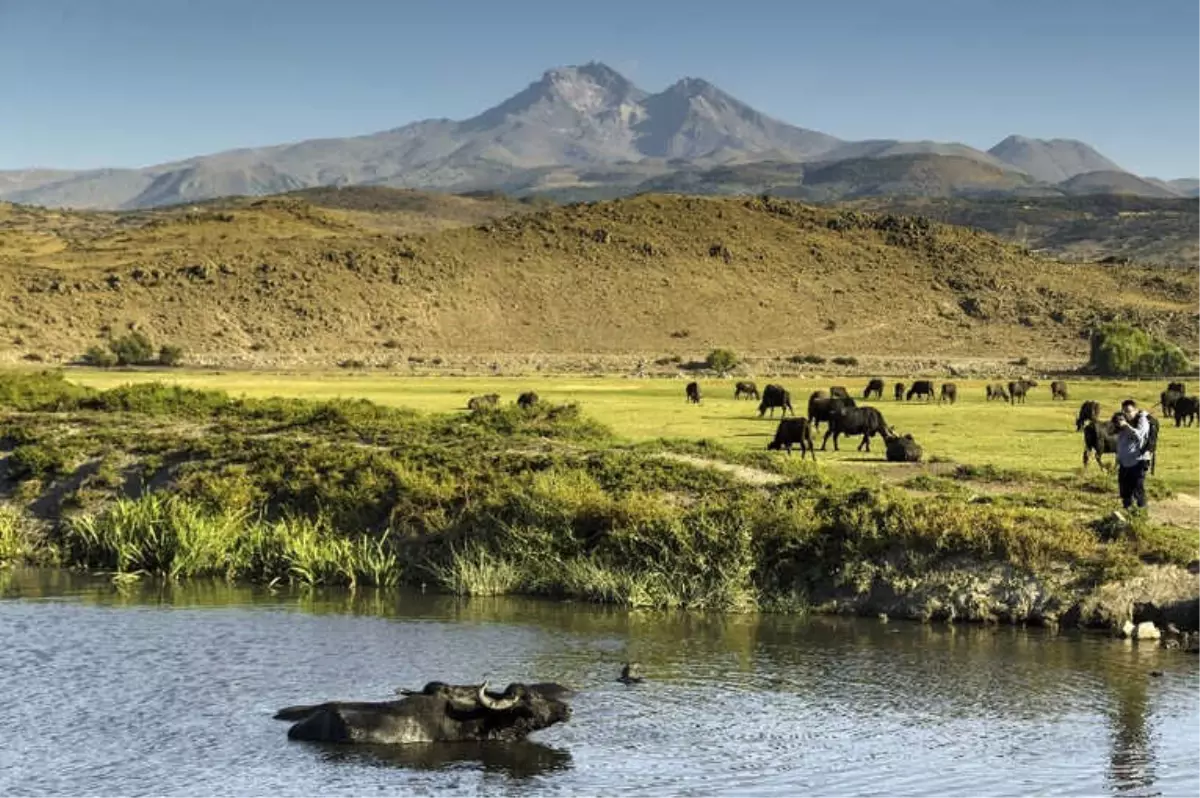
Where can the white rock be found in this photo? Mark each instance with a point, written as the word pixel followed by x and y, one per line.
pixel 1127 629
pixel 1146 630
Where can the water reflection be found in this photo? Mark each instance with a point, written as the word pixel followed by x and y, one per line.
pixel 732 704
pixel 515 760
pixel 1132 758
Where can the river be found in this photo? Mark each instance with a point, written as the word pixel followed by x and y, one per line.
pixel 168 690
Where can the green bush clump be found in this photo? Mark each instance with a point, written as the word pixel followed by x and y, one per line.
pixel 100 357
pixel 169 355
pixel 1122 350
pixel 36 461
pixel 845 361
pixel 812 359
pixel 134 349
pixel 40 391
pixel 721 360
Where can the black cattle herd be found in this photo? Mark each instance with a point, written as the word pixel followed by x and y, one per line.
pixel 837 409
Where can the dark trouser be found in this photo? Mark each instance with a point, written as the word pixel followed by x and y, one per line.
pixel 1132 481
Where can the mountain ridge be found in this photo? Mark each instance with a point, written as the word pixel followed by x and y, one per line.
pixel 572 121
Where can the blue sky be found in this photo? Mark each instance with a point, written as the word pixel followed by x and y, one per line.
pixel 90 83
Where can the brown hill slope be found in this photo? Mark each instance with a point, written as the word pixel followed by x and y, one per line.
pixel 282 281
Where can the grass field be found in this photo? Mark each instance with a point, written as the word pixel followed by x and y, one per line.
pixel 1037 437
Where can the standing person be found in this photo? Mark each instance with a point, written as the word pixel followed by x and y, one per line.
pixel 1133 453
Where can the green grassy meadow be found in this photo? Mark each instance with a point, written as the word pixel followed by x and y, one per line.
pixel 1036 437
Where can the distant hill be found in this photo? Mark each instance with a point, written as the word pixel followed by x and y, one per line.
pixel 577 132
pixel 1051 160
pixel 1188 186
pixel 1087 227
pixel 1109 182
pixel 284 281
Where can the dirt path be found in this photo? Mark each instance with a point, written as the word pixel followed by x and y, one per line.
pixel 754 476
pixel 1180 510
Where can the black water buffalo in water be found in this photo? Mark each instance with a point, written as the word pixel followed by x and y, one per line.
pixel 1099 438
pixel 1186 407
pixel 898 391
pixel 483 402
pixel 438 713
pixel 1088 411
pixel 875 386
pixel 1018 389
pixel 996 391
pixel 1168 398
pixel 746 389
pixel 774 396
pixel 865 421
pixel 794 431
pixel 693 392
pixel 921 388
pixel 839 392
pixel 902 449
pixel 1058 390
pixel 949 393
pixel 822 407
pixel 527 400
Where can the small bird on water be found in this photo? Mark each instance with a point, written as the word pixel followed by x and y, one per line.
pixel 629 673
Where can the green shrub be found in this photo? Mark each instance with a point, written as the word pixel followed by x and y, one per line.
pixel 846 361
pixel 134 349
pixel 169 355
pixel 100 357
pixel 813 359
pixel 1122 350
pixel 35 461
pixel 721 360
pixel 40 390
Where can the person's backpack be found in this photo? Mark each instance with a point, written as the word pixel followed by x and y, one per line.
pixel 1151 443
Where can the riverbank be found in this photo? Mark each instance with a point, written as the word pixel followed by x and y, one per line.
pixel 154 479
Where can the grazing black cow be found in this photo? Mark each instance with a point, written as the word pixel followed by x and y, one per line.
pixel 1088 411
pixel 902 449
pixel 1058 390
pixel 949 393
pixel 821 407
pixel 794 431
pixel 527 400
pixel 1186 408
pixel 1018 389
pixel 1099 438
pixel 746 389
pixel 693 392
pixel 477 403
pixel 1177 387
pixel 865 421
pixel 996 391
pixel 774 396
pixel 875 386
pixel 838 392
pixel 922 388
pixel 898 391
pixel 1168 398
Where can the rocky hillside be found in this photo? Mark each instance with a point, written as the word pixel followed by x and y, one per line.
pixel 284 281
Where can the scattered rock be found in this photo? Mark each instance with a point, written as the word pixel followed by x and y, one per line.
pixel 1127 629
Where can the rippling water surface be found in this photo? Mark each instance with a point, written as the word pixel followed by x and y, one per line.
pixel 155 690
